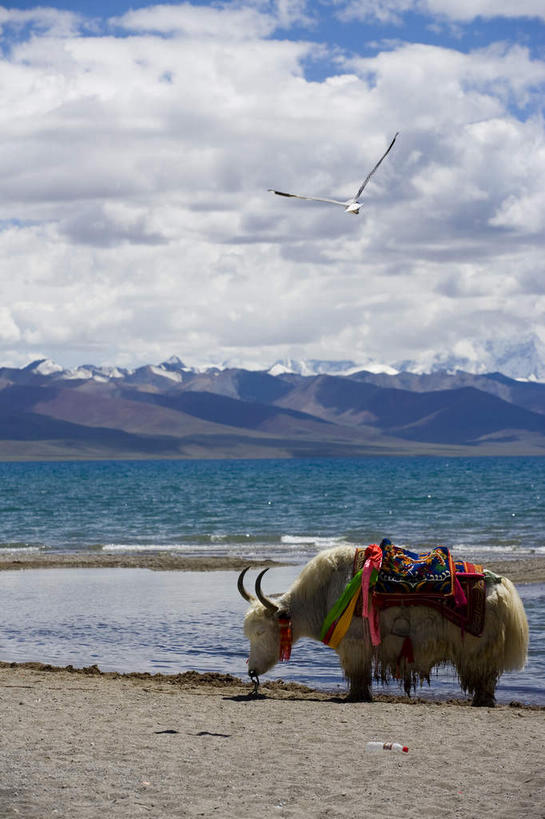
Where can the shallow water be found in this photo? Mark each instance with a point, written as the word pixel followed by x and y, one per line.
pixel 139 620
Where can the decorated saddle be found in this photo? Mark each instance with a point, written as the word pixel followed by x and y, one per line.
pixel 387 575
pixel 404 572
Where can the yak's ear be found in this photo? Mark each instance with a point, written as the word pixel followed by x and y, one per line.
pixel 283 615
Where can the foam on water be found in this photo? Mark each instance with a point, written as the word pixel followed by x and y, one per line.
pixel 311 540
pixel 9 548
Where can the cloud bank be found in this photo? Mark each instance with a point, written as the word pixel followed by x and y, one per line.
pixel 135 157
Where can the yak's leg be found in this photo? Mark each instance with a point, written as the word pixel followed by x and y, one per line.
pixel 356 664
pixel 481 684
pixel 360 687
pixel 483 693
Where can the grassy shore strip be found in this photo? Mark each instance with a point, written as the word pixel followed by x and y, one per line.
pixel 519 570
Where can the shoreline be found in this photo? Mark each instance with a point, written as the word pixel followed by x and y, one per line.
pixel 155 561
pixel 199 682
pixel 89 744
pixel 519 570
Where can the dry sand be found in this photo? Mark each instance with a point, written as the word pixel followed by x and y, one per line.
pixel 85 744
pixel 81 744
pixel 522 570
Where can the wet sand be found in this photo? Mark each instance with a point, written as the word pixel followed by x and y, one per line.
pixel 521 570
pixel 86 744
pixel 157 561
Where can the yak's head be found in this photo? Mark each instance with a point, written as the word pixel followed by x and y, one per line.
pixel 261 626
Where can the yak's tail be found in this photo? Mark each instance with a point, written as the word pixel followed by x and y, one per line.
pixel 515 625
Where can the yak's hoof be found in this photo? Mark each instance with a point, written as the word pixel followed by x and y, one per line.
pixel 359 696
pixel 483 700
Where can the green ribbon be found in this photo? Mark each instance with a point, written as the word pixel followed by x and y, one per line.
pixel 339 606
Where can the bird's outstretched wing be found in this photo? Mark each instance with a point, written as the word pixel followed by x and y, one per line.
pixel 369 175
pixel 311 198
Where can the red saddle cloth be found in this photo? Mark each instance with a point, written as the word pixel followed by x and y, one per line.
pixel 456 589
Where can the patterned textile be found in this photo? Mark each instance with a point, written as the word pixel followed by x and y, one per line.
pixel 403 580
pixel 461 567
pixel 469 617
pixel 404 572
pixel 387 575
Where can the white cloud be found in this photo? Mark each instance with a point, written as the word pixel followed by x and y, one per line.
pixel 466 10
pixel 41 20
pixel 392 11
pixel 228 20
pixel 199 21
pixel 135 220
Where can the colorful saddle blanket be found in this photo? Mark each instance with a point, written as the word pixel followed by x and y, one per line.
pixel 404 572
pixel 387 575
pixel 455 588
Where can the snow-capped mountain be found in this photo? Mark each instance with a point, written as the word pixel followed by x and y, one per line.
pixel 295 409
pixel 315 366
pixel 522 359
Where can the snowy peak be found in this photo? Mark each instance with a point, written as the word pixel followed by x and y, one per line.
pixel 525 359
pixel 312 366
pixel 43 366
pixel 521 359
pixel 164 372
pixel 174 364
pixel 88 372
pixel 517 358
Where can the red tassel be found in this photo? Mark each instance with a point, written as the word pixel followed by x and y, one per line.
pixel 407 650
pixel 285 638
pixel 406 653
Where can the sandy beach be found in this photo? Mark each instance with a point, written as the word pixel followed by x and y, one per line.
pixel 85 744
pixel 82 743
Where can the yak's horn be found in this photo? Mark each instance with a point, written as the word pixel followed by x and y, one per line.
pixel 240 585
pixel 261 597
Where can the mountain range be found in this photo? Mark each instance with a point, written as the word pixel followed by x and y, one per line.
pixel 321 409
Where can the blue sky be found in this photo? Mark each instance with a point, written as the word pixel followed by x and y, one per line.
pixel 139 140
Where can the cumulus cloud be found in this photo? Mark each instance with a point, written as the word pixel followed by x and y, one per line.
pixel 134 214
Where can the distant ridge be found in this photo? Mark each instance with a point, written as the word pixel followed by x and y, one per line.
pixel 171 410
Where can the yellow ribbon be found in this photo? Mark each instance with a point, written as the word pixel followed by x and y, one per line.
pixel 343 624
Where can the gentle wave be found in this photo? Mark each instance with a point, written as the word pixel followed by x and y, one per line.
pixel 311 540
pixel 514 550
pixel 287 547
pixel 11 548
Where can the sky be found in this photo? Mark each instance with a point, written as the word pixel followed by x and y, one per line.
pixel 138 142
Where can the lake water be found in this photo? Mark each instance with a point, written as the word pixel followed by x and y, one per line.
pixel 281 509
pixel 140 620
pixel 137 620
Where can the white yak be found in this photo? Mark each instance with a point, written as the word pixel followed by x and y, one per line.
pixel 479 661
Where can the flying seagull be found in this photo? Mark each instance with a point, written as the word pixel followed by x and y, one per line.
pixel 351 205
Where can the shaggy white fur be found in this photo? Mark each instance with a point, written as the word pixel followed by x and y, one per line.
pixel 479 661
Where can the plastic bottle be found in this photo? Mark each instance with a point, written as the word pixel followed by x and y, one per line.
pixel 373 747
